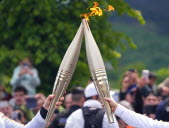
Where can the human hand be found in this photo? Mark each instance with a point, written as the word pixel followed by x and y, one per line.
pixel 22 72
pixel 142 82
pixel 29 72
pixel 49 99
pixel 112 103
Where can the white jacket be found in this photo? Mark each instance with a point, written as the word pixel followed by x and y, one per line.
pixel 36 122
pixel 137 120
pixel 76 119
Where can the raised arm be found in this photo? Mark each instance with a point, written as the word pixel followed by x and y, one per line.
pixel 134 119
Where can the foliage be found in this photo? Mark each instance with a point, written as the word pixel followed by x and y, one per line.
pixel 152 47
pixel 44 29
pixel 162 74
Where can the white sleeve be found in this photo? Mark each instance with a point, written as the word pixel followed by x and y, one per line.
pixel 36 122
pixel 106 122
pixel 75 120
pixel 137 120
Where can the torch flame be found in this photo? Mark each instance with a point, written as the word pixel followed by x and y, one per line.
pixel 110 8
pixel 96 11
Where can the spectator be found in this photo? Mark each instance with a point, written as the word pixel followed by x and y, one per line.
pixel 133 75
pixel 6 108
pixel 68 101
pixel 129 83
pixel 37 122
pixel 26 75
pixel 19 102
pixel 124 89
pixel 163 108
pixel 77 102
pixel 150 104
pixel 91 115
pixel 138 95
pixel 19 116
pixel 151 84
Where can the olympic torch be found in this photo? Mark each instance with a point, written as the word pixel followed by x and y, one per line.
pixel 97 69
pixel 66 70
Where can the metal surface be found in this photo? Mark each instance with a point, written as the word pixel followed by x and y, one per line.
pixel 101 83
pixel 97 68
pixel 62 80
pixel 66 71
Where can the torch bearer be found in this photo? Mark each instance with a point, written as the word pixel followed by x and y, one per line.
pixel 66 71
pixel 97 69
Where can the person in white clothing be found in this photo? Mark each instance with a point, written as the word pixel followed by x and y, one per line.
pixel 85 117
pixel 37 122
pixel 134 119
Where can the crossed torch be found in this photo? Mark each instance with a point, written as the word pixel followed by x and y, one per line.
pixel 68 65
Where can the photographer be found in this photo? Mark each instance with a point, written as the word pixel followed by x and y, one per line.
pixel 26 75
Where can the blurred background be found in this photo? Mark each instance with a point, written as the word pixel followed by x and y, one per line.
pixel 133 41
pixel 43 30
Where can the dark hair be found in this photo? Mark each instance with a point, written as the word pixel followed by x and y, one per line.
pixel 132 70
pixel 20 89
pixel 151 93
pixel 77 94
pixel 152 76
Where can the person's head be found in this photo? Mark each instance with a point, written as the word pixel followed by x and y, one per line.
pixel 26 62
pixel 152 78
pixel 20 95
pixel 133 75
pixel 68 101
pixel 126 81
pixel 151 99
pixel 91 93
pixel 6 108
pixel 78 96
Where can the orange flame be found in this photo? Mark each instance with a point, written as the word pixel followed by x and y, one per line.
pixel 95 10
pixel 110 8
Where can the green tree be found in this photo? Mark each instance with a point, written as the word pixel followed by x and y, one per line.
pixel 44 29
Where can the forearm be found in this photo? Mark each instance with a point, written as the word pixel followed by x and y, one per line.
pixel 137 120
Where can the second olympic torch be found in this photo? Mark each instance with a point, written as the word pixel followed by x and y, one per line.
pixel 97 69
pixel 66 70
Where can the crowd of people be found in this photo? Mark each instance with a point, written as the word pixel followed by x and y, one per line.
pixel 82 107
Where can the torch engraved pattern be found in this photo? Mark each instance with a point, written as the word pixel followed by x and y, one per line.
pixel 62 80
pixel 66 71
pixel 101 84
pixel 97 68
